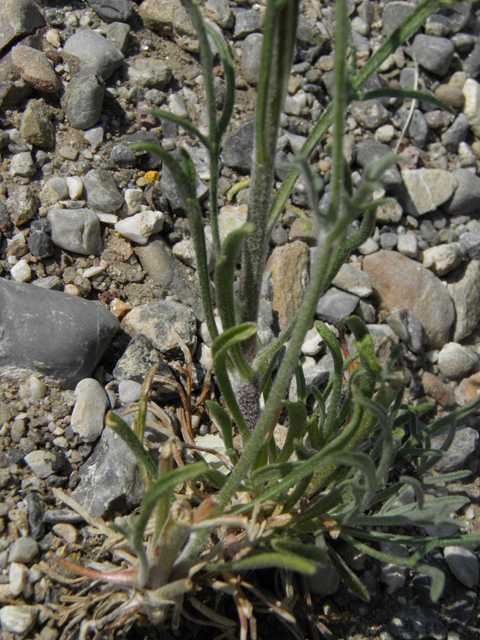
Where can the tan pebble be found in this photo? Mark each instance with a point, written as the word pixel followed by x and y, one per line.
pixel 35 68
pixel 142 182
pixel 119 308
pixel 53 37
pixel 72 290
pixel 468 389
pixel 66 531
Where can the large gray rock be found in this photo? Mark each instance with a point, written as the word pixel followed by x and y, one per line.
pixel 112 10
pixel 463 445
pixel 18 18
pixel 401 283
pixel 94 52
pixel 83 100
pixel 433 54
pixel 394 14
pixel 335 305
pixel 60 336
pixel 238 148
pixel 456 361
pixel 428 189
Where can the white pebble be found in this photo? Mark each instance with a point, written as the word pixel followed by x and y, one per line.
pixel 75 187
pixel 140 227
pixel 21 271
pixel 94 137
pixel 89 410
pixel 18 618
pixel 38 388
pixel 18 576
pixel 134 199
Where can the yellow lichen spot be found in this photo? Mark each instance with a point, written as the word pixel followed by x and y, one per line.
pixel 151 176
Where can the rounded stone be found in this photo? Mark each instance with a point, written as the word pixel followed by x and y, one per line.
pixel 89 410
pixel 102 192
pixel 251 57
pixel 35 68
pixel 76 230
pixel 456 361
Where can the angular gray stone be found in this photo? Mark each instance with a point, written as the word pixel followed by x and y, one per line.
pixel 464 444
pixel 94 52
pixel 168 17
pixel 101 190
pixel 110 479
pixel 354 281
pixel 37 127
pixel 456 361
pixel 118 33
pixel 418 129
pixel 155 320
pixel 408 328
pixel 370 152
pixel 428 189
pixel 464 288
pixel 391 574
pixel 463 563
pixel 369 114
pixel 457 133
pixel 89 410
pixel 466 197
pixel 246 22
pixel 42 463
pixel 76 230
pixel 22 164
pixel 335 305
pixel 394 13
pixel 433 54
pixel 149 72
pixel 23 550
pixel 238 148
pixel 112 10
pixel 83 100
pixel 470 243
pixel 18 18
pixel 408 245
pixel 401 283
pixel 60 336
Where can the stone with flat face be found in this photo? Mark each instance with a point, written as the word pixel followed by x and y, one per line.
pixel 402 283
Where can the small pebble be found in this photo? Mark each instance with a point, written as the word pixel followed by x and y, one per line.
pixel 66 531
pixel 23 550
pixel 18 619
pixel 18 577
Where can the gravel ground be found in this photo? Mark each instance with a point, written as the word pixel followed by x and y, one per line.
pixel 95 248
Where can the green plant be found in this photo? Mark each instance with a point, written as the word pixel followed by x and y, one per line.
pixel 297 501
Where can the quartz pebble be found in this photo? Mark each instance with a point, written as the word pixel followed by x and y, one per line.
pixel 18 578
pixel 91 403
pixel 18 619
pixel 140 227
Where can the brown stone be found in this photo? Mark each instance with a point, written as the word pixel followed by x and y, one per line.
pixel 451 94
pixel 402 283
pixel 35 68
pixel 438 390
pixel 468 389
pixel 288 268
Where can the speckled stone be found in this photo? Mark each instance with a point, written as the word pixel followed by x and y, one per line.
pixel 35 68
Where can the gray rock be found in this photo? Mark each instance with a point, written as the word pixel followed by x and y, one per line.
pixel 314 377
pixel 238 148
pixel 408 328
pixel 54 190
pixel 155 320
pixel 42 463
pixel 112 10
pixel 83 100
pixel 118 33
pixel 76 230
pixel 325 581
pixel 335 305
pixel 390 212
pixel 18 619
pixel 408 245
pixel 89 410
pixel 221 13
pixel 149 72
pixel 457 133
pixel 401 283
pixel 471 65
pixel 23 550
pixel 157 260
pixel 35 68
pixel 391 574
pixel 22 204
pixel 168 18
pixel 394 13
pixel 429 233
pixel 467 195
pixel 388 240
pixel 369 152
pixel 443 258
pixel 65 346
pixel 418 129
pixel 369 114
pixel 110 479
pixel 36 510
pixel 22 164
pixel 353 281
pixel 94 52
pixel 416 623
pixel 464 288
pixel 251 57
pixel 470 243
pixel 40 244
pixel 427 189
pixel 18 18
pixel 246 22
pixel 101 190
pixel 455 361
pixel 464 444
pixel 123 156
pixel 37 127
pixel 137 360
pixel 129 391
pixel 463 563
pixel 149 160
pixel 433 54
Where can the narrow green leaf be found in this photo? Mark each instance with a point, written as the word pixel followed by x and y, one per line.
pixel 229 68
pixel 404 94
pixel 347 575
pixel 145 463
pixel 296 430
pixel 224 422
pixel 267 561
pixel 310 551
pixel 189 169
pixel 419 493
pixel 360 460
pixel 181 122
